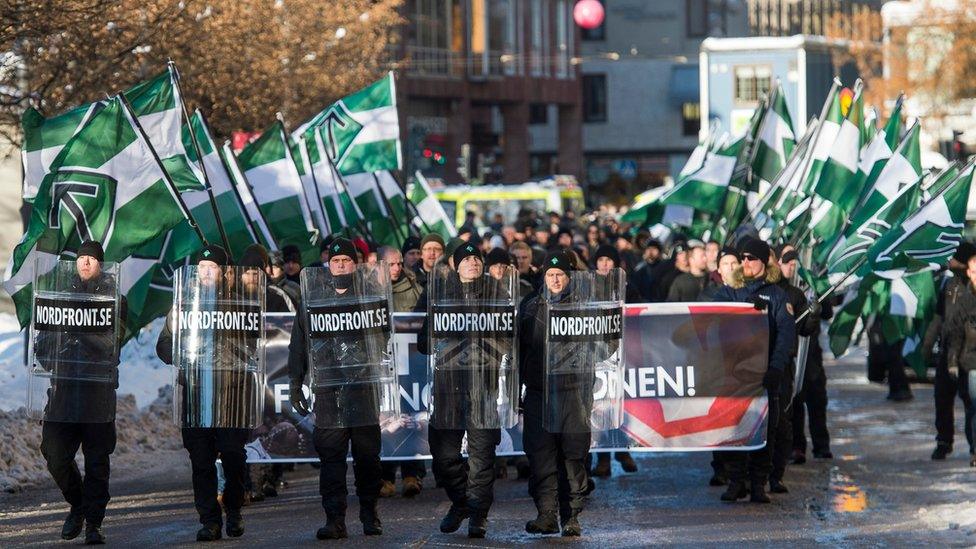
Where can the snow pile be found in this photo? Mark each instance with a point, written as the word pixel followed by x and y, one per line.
pixel 139 432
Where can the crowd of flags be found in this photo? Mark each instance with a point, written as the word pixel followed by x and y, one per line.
pixel 144 175
pixel 851 195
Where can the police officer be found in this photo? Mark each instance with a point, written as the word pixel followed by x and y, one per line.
pixel 206 444
pixel 470 486
pixel 333 444
pixel 60 440
pixel 558 471
pixel 762 291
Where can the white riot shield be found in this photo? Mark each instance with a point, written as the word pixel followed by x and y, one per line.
pixel 584 344
pixel 472 332
pixel 218 346
pixel 348 339
pixel 74 342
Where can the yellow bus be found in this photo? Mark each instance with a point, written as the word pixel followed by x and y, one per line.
pixel 487 200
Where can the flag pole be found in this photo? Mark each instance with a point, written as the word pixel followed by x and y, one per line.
pixel 303 143
pixel 799 150
pixel 860 262
pixel 389 207
pixel 233 187
pixel 175 73
pixel 410 204
pixel 236 171
pixel 284 133
pixel 166 177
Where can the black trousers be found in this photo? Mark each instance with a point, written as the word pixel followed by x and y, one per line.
pixel 470 484
pixel 557 460
pixel 782 442
pixel 947 388
pixel 411 468
pixel 205 445
pixel 755 465
pixel 812 401
pixel 332 446
pixel 60 443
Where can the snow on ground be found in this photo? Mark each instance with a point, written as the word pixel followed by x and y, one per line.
pixel 141 374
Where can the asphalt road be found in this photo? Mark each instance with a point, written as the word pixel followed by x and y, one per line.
pixel 881 489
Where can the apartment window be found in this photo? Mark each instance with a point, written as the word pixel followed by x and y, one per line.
pixel 594 98
pixel 493 38
pixel 696 18
pixel 690 118
pixel 751 83
pixel 538 113
pixel 434 47
pixel 598 33
pixel 539 52
pixel 563 29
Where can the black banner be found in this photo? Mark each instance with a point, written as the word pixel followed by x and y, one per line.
pixel 73 316
pixel 575 325
pixel 348 319
pixel 455 321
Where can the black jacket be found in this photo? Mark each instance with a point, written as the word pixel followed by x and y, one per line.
pixel 782 328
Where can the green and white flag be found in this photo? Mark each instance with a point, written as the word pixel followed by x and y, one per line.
pixel 339 208
pixel 277 187
pixel 705 189
pixel 903 167
pixel 838 188
pixel 158 107
pixel 430 213
pixel 240 233
pixel 303 158
pixel 106 184
pixel 258 224
pixel 776 139
pixel 44 138
pixel 823 142
pixel 361 131
pixel 930 234
pixel 850 249
pixel 880 147
pixel 366 192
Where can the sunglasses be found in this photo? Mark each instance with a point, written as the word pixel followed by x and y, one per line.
pixel 749 257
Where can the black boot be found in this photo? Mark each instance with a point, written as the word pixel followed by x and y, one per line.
pixel 544 524
pixel 776 486
pixel 235 524
pixel 209 532
pixel 571 526
pixel 602 469
pixel 370 518
pixel 477 525
pixel 627 462
pixel 73 525
pixel 942 449
pixel 335 527
pixel 94 535
pixel 453 519
pixel 736 491
pixel 758 493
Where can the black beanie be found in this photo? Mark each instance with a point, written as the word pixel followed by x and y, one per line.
pixel 324 245
pixel 606 250
pixel 466 250
pixel 292 253
pixel 498 256
pixel 728 250
pixel 790 255
pixel 755 247
pixel 963 254
pixel 344 246
pixel 558 260
pixel 411 243
pixel 213 253
pixel 92 248
pixel 255 256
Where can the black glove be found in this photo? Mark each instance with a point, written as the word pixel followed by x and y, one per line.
pixel 298 399
pixel 815 310
pixel 772 381
pixel 759 303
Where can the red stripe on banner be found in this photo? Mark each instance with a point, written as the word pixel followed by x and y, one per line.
pixel 724 412
pixel 723 309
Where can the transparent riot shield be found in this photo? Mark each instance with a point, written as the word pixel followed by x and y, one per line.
pixel 74 342
pixel 348 340
pixel 584 345
pixel 473 368
pixel 218 346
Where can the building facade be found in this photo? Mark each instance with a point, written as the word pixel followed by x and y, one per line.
pixel 475 75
